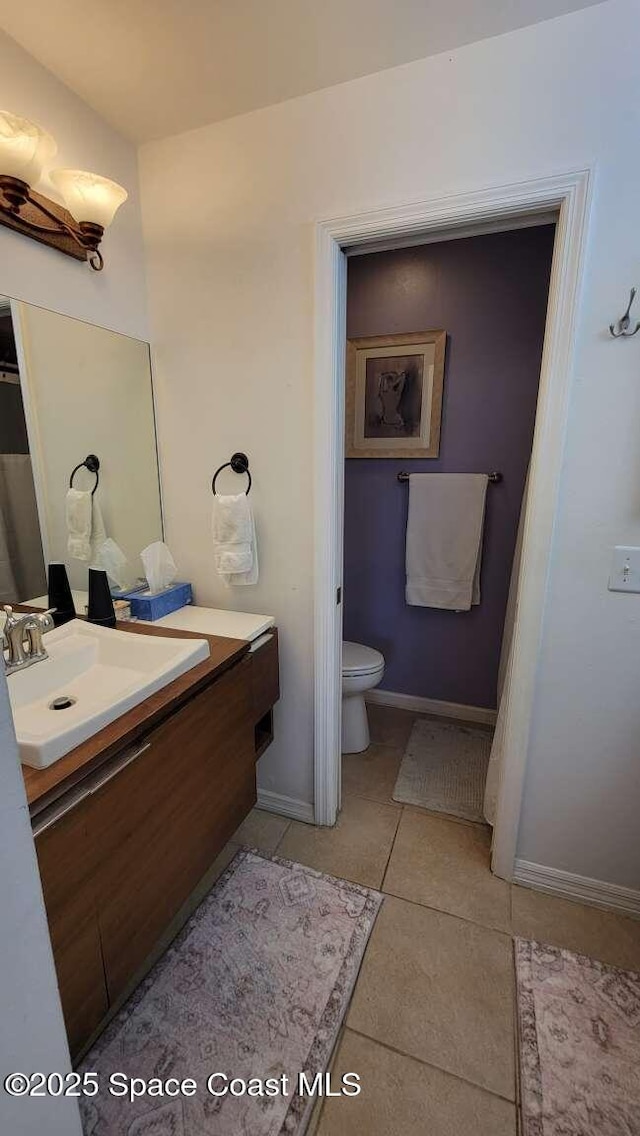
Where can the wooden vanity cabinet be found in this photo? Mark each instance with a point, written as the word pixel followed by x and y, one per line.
pixel 122 851
pixel 66 857
pixel 160 822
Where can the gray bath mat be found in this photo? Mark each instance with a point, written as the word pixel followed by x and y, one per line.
pixel 444 769
pixel 579 1029
pixel 255 986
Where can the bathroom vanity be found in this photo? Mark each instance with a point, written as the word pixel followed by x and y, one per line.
pixel 128 823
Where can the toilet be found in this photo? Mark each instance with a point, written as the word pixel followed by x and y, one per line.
pixel 362 669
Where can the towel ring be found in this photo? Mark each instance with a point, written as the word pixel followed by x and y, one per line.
pixel 92 463
pixel 239 464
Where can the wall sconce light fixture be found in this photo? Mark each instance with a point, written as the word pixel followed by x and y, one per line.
pixel 91 201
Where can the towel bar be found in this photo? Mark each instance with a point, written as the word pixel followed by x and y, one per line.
pixel 494 477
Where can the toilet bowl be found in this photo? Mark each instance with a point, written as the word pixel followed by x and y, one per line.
pixel 362 669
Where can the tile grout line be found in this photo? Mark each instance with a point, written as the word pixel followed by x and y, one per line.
pixel 393 844
pixel 281 838
pixel 452 914
pixel 429 1065
pixel 417 810
pixel 372 800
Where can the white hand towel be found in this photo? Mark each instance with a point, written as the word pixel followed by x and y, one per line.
pixel 78 516
pixel 85 527
pixel 98 531
pixel 444 539
pixel 234 539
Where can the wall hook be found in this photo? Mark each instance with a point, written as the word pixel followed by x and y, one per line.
pixel 621 328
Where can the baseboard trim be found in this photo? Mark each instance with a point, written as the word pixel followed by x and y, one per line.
pixel 432 706
pixel 567 885
pixel 285 806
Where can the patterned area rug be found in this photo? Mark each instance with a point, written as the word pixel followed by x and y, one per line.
pixel 579 1025
pixel 444 769
pixel 255 986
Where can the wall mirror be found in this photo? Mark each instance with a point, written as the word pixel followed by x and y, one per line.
pixel 68 390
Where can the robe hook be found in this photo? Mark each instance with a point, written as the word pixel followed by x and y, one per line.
pixel 621 327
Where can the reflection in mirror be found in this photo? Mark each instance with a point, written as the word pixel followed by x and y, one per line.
pixel 67 390
pixel 22 570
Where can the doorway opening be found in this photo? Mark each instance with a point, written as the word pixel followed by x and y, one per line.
pixel 443 366
pixel 567 199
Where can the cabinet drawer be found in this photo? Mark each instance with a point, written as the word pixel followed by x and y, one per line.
pixel 265 677
pixel 67 865
pixel 159 824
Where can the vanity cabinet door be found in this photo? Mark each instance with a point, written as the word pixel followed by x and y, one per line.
pixel 265 678
pixel 66 862
pixel 160 822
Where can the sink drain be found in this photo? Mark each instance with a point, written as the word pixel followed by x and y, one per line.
pixel 63 702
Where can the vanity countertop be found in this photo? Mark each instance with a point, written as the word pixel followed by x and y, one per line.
pixel 202 620
pixel 217 621
pixel 46 785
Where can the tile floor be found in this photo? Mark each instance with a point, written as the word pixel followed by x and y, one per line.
pixel 431 1024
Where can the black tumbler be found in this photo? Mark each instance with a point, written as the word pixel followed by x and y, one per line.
pixel 60 598
pixel 100 603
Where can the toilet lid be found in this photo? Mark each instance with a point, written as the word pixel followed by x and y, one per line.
pixel 360 660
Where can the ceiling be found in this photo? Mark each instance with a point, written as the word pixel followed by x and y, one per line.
pixel 157 67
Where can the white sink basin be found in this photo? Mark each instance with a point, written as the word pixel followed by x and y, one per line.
pixel 102 672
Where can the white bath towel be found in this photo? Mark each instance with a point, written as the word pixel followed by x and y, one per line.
pixel 85 527
pixel 444 539
pixel 234 539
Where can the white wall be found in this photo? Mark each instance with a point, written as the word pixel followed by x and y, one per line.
pixel 228 216
pixel 32 1034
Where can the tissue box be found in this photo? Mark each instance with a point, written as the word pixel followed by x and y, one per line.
pixel 153 605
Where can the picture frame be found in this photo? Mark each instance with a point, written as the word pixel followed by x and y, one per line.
pixel 394 395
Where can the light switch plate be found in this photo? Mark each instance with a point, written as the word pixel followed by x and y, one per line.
pixel 625 570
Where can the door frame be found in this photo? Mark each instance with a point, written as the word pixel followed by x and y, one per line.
pixel 570 194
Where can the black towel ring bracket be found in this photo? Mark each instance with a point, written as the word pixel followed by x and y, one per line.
pixel 239 464
pixel 92 463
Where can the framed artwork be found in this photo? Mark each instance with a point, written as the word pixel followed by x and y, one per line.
pixel 394 395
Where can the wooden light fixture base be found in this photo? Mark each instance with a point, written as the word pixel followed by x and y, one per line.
pixel 44 220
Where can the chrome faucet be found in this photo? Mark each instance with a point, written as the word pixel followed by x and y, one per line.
pixel 22 636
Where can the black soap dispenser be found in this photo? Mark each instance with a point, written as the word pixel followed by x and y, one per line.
pixel 60 598
pixel 100 609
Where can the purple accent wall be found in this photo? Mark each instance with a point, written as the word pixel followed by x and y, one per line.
pixel 490 294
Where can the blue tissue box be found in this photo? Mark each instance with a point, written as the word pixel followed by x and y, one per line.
pixel 153 605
